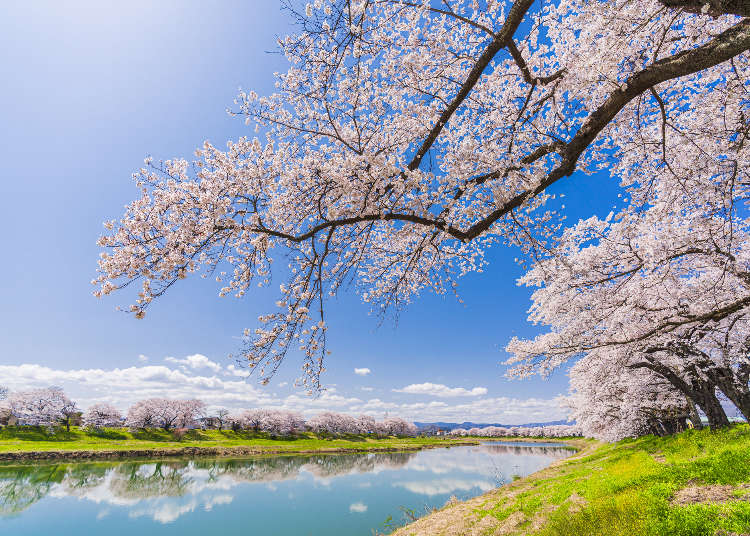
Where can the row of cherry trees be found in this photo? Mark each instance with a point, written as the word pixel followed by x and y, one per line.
pixel 51 407
pixel 279 422
pixel 551 431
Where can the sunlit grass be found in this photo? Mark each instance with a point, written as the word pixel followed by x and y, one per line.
pixel 27 439
pixel 628 489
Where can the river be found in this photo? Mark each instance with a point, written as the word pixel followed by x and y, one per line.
pixel 340 494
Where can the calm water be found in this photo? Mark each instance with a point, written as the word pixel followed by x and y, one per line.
pixel 351 494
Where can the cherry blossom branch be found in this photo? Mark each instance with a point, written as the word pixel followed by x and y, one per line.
pixel 729 44
pixel 722 48
pixel 501 39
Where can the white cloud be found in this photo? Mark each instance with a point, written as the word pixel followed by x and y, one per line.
pixel 437 389
pixel 283 384
pixel 368 389
pixel 236 371
pixel 230 389
pixel 195 361
pixel 358 507
pixel 217 500
pixel 443 486
pixel 142 358
pixel 362 371
pixel 164 513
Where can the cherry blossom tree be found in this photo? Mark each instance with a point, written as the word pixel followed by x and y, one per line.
pixel 102 416
pixel 282 423
pixel 399 427
pixel 250 419
pixel 164 413
pixel 222 417
pixel 334 424
pixel 42 407
pixel 406 138
pixel 610 403
pixel 664 290
pixel 188 412
pixel 366 424
pixel 142 414
pixel 70 414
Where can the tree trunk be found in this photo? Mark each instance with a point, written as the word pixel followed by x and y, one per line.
pixel 705 397
pixel 736 391
pixel 693 415
pixel 701 392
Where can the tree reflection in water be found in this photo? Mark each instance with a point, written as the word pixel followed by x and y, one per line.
pixel 130 482
pixel 550 451
pixel 20 487
pixel 166 489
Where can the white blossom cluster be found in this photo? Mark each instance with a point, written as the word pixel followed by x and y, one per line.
pixel 408 137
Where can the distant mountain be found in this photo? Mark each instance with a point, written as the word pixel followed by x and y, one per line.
pixel 422 426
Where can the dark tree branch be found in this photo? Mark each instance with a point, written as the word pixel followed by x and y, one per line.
pixel 714 8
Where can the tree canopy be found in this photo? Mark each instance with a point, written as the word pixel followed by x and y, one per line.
pixel 409 137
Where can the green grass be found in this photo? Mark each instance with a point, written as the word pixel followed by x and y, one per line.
pixel 35 439
pixel 628 489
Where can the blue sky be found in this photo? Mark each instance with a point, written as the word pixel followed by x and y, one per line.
pixel 88 91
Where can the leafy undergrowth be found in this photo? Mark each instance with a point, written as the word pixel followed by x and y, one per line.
pixel 30 438
pixel 628 488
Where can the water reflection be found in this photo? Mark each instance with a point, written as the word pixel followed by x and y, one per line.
pixel 127 483
pixel 354 492
pixel 522 449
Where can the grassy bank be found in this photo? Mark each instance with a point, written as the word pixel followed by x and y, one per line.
pixel 23 439
pixel 695 483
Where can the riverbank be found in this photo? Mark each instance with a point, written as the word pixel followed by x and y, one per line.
pixel 694 483
pixel 31 443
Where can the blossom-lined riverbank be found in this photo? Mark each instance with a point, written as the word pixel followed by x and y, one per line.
pixel 29 443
